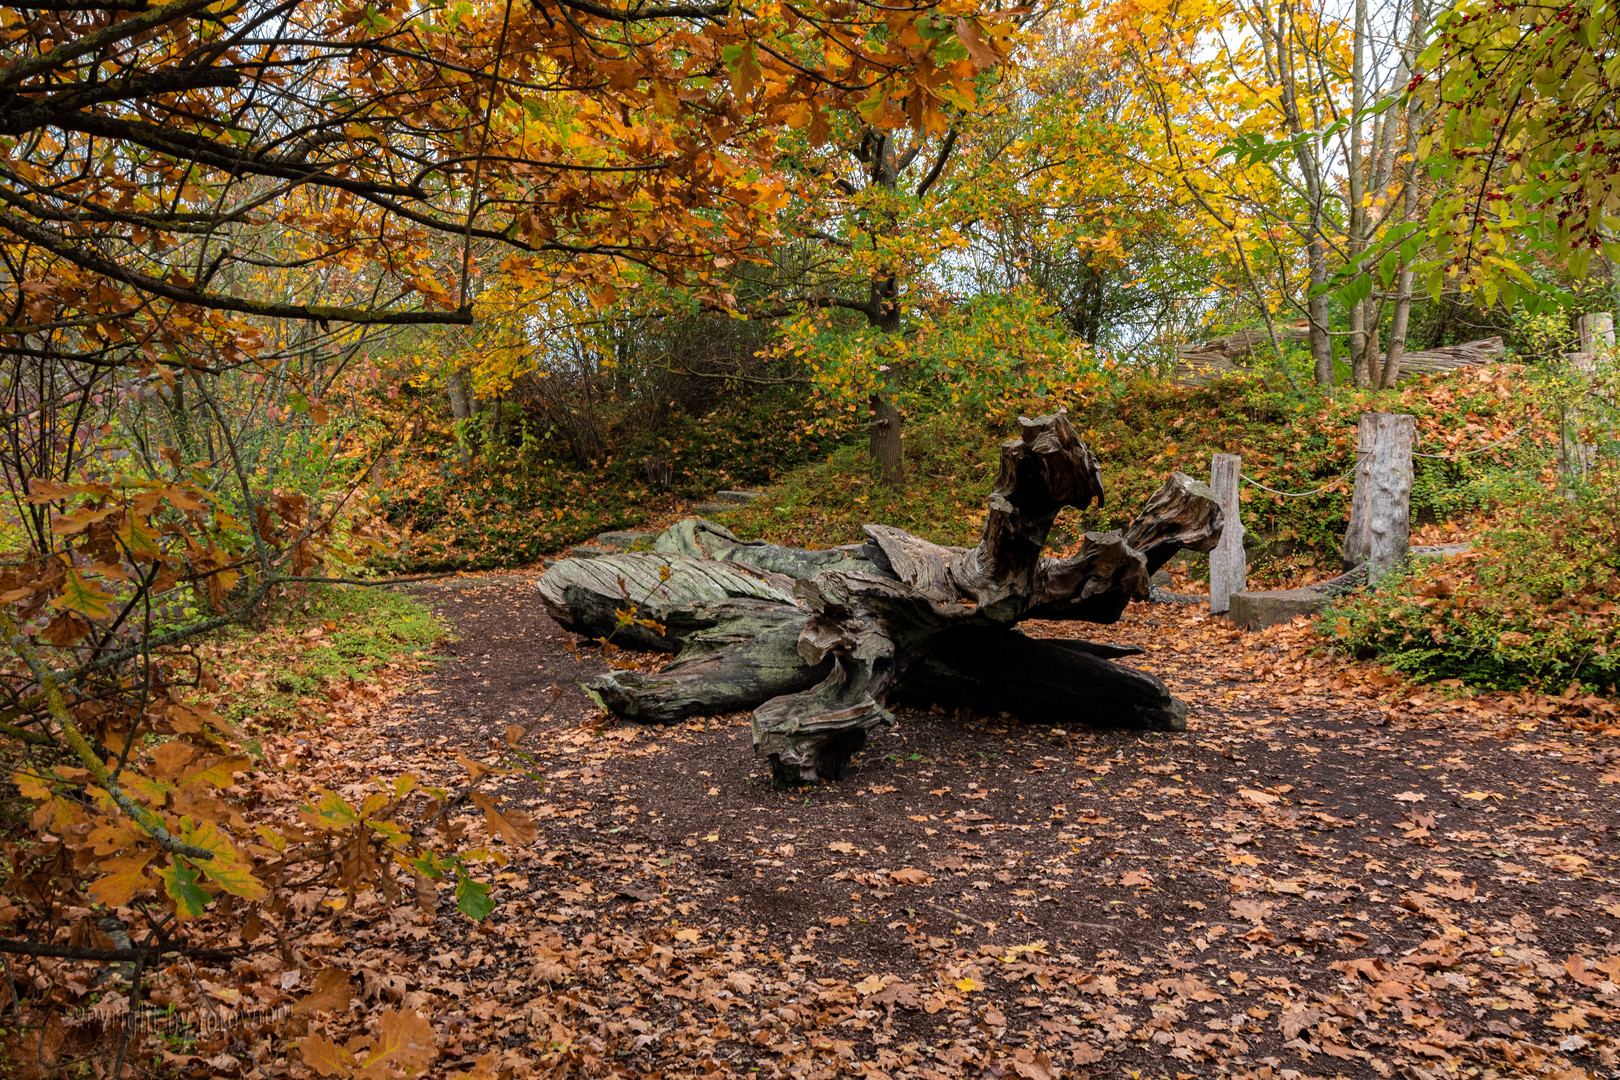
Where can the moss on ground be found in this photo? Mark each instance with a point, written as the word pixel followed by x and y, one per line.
pixel 312 649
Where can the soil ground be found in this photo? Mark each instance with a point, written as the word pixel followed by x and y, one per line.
pixel 1325 875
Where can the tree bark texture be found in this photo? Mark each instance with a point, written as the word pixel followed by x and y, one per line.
pixel 886 446
pixel 1228 565
pixel 818 643
pixel 1380 527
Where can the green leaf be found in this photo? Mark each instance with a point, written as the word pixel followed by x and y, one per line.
pixel 472 897
pixel 1411 246
pixel 1579 260
pixel 1388 267
pixel 1358 290
pixel 180 882
pixel 333 812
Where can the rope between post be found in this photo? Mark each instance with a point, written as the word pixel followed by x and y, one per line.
pixel 1295 494
pixel 1433 457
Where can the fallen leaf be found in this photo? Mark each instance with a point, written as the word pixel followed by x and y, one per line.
pixel 331 991
pixel 869 985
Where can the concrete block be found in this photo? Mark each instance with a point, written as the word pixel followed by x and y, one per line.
pixel 1260 609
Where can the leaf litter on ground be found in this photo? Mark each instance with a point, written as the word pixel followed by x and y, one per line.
pixel 1331 873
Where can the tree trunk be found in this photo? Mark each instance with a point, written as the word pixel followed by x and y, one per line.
pixel 1228 565
pixel 885 443
pixel 818 642
pixel 1397 330
pixel 1317 307
pixel 461 409
pixel 1381 509
pixel 1401 319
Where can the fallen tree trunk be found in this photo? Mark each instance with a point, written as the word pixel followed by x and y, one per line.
pixel 818 642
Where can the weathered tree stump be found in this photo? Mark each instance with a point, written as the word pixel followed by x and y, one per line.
pixel 817 643
pixel 1380 526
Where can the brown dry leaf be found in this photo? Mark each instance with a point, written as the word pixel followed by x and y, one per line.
pixel 331 991
pixel 1259 798
pixel 326 1057
pixel 405 1040
pixel 1250 910
pixel 514 826
pixel 1576 966
pixel 1295 1019
pixel 122 877
pixel 1571 1019
pixel 1033 1065
pixel 1086 1053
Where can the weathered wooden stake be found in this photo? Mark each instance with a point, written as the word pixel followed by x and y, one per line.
pixel 1597 339
pixel 1597 332
pixel 1228 570
pixel 1381 510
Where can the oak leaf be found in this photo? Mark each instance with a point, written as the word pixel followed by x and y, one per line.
pixel 122 878
pixel 326 1057
pixel 404 1040
pixel 331 992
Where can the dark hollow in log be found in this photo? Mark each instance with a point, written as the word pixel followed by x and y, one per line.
pixel 1040 680
pixel 817 643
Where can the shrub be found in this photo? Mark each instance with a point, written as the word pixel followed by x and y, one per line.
pixel 1533 606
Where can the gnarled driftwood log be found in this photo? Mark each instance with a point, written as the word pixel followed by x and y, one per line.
pixel 818 642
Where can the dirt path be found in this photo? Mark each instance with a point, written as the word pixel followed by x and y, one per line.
pixel 1308 882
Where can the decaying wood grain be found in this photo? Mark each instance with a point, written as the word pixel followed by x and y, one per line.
pixel 1381 509
pixel 817 643
pixel 1228 564
pixel 617 596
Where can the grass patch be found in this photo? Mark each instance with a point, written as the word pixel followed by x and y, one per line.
pixel 1143 432
pixel 307 654
pixel 515 503
pixel 950 468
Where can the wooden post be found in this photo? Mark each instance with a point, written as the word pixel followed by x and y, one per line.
pixel 1228 570
pixel 1381 510
pixel 1597 339
pixel 1597 333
